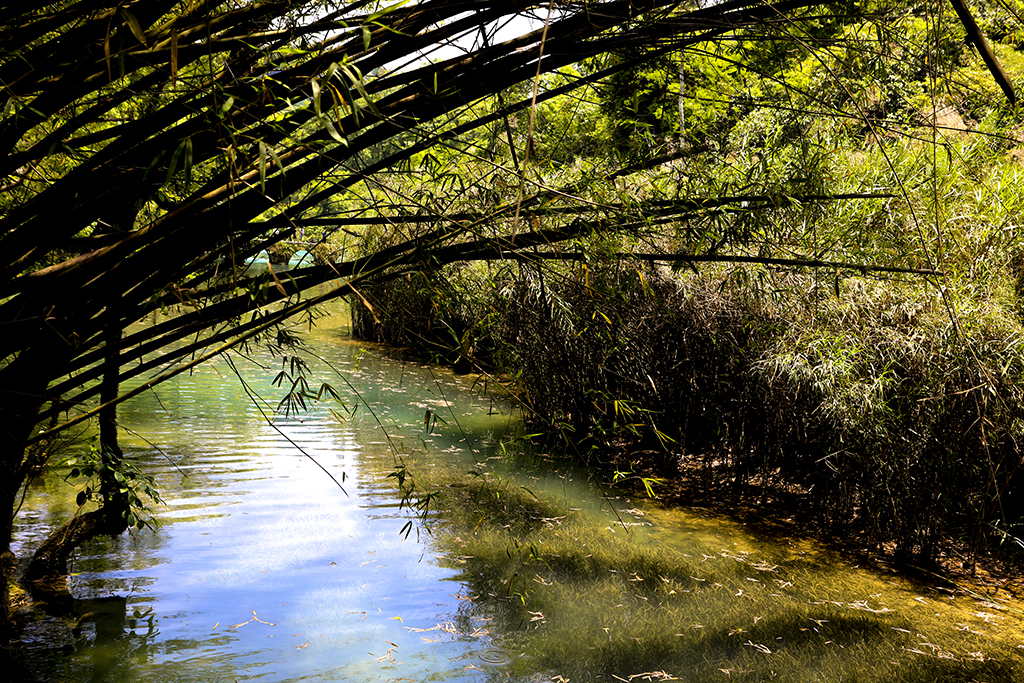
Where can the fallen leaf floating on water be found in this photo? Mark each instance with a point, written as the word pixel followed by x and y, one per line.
pixel 446 627
pixel 654 676
pixel 255 617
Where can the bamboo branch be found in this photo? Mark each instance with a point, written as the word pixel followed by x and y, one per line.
pixel 975 36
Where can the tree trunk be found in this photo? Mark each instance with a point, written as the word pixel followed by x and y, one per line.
pixel 8 562
pixel 49 566
pixel 21 394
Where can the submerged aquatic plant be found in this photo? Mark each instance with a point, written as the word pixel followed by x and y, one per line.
pixel 584 597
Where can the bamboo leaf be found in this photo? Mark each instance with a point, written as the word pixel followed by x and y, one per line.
pixel 331 70
pixel 349 101
pixel 316 97
pixel 277 159
pixel 183 154
pixel 366 303
pixel 333 132
pixel 355 77
pixel 174 57
pixel 277 281
pixel 173 165
pixel 337 101
pixel 135 27
pixel 152 164
pixel 366 38
pixel 106 55
pixel 387 10
pixel 263 167
pixel 335 96
pixel 188 159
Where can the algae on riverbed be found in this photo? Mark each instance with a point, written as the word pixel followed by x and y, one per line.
pixel 604 595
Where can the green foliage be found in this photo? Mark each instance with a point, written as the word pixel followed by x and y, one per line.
pixel 94 474
pixel 569 129
pixel 902 421
pixel 642 103
pixel 649 483
pixel 294 376
pixel 416 500
pixel 442 319
pixel 713 90
pixel 974 92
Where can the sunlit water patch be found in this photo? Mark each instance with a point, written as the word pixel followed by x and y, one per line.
pixel 264 568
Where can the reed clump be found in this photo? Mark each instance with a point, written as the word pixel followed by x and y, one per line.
pixel 440 317
pixel 891 413
pixel 895 421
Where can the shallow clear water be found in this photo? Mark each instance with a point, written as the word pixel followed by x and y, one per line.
pixel 264 569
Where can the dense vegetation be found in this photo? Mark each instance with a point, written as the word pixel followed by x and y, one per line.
pixel 855 342
pixel 777 238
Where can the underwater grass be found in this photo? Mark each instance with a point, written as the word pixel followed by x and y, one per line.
pixel 569 593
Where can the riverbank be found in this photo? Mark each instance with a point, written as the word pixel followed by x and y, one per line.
pixel 773 508
pixel 897 417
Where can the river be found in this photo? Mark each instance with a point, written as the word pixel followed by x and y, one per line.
pixel 497 563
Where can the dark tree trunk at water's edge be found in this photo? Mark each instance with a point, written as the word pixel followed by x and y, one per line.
pixel 49 565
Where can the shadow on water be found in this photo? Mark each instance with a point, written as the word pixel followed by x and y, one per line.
pixel 95 635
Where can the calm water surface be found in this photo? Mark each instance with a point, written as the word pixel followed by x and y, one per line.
pixel 263 569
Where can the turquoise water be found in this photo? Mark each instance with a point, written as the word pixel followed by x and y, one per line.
pixel 262 567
